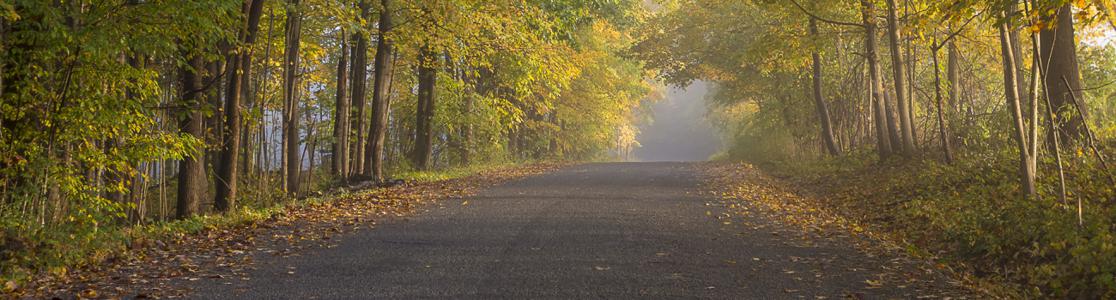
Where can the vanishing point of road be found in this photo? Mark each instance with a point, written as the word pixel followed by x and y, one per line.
pixel 610 230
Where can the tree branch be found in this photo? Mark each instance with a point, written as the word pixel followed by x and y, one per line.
pixel 819 18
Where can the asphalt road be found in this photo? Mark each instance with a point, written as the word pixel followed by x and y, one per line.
pixel 616 230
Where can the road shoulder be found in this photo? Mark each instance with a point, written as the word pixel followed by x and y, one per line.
pixel 768 204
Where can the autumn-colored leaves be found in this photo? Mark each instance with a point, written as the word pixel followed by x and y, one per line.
pixel 158 266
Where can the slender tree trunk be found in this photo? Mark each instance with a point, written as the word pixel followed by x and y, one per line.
pixel 359 85
pixel 906 128
pixel 943 131
pixel 871 44
pixel 230 152
pixel 1027 171
pixel 912 97
pixel 248 90
pixel 311 148
pixel 892 116
pixel 1059 59
pixel 264 155
pixel 819 100
pixel 374 163
pixel 1017 50
pixel 191 171
pixel 953 72
pixel 339 165
pixel 290 87
pixel 427 76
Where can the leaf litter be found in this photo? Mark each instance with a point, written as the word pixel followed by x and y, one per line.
pixel 771 206
pixel 162 268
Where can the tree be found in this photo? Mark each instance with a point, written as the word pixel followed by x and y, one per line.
pixel 428 77
pixel 239 73
pixel 359 86
pixel 340 162
pixel 290 95
pixel 191 170
pixel 906 127
pixel 380 99
pixel 1059 48
pixel 884 127
pixel 819 100
pixel 1027 167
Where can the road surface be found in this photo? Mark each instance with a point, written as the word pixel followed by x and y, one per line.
pixel 612 230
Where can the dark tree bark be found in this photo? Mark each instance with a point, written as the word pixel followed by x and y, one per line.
pixel 899 71
pixel 238 62
pixel 360 86
pixel 374 163
pixel 191 170
pixel 1059 59
pixel 340 166
pixel 427 76
pixel 249 92
pixel 819 100
pixel 290 88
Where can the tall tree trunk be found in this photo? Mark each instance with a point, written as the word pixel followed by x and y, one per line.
pixel 359 85
pixel 191 170
pixel 250 91
pixel 1027 170
pixel 290 88
pixel 1059 59
pixel 906 128
pixel 943 131
pixel 427 76
pixel 1017 51
pixel 1051 126
pixel 339 166
pixel 953 74
pixel 871 43
pixel 230 152
pixel 819 100
pixel 374 163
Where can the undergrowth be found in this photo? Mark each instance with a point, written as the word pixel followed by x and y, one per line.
pixel 25 252
pixel 973 215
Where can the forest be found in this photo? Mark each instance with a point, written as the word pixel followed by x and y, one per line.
pixel 132 112
pixel 979 133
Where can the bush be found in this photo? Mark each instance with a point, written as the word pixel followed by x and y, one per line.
pixel 974 214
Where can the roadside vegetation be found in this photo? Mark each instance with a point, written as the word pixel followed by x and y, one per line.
pixel 126 120
pixel 979 133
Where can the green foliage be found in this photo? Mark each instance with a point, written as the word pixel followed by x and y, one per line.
pixel 758 54
pixel 90 103
pixel 970 213
pixel 80 104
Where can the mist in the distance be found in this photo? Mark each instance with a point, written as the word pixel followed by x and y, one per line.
pixel 680 131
